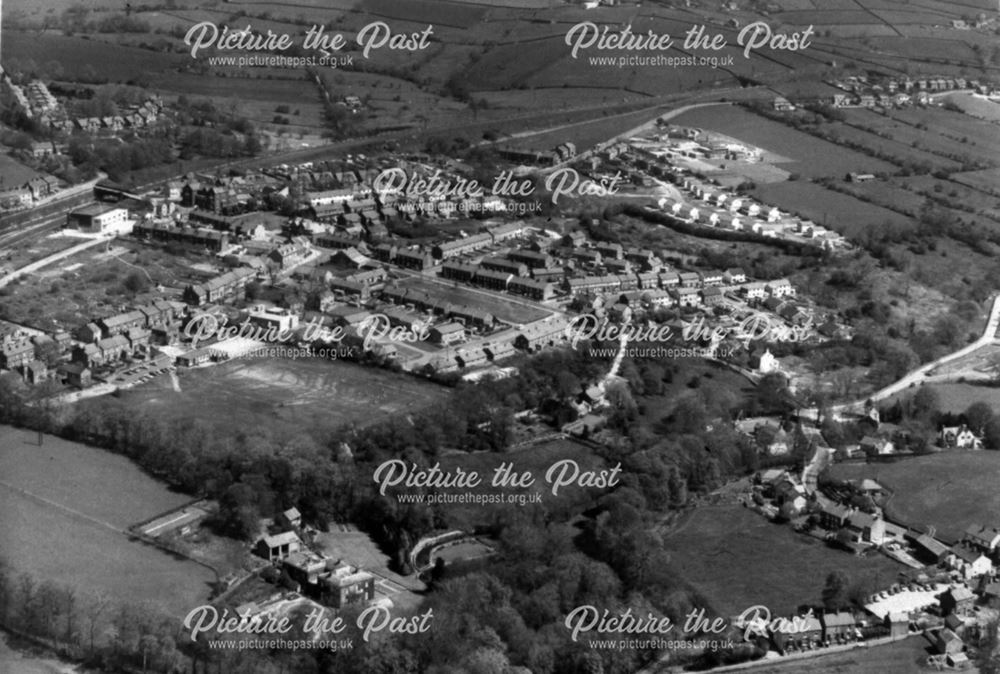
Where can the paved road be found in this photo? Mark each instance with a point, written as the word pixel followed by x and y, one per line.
pixel 920 375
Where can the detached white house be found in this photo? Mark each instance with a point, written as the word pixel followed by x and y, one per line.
pixel 961 437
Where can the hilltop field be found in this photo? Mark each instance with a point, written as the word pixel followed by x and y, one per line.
pixel 486 59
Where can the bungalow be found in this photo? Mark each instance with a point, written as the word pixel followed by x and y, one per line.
pixel 981 538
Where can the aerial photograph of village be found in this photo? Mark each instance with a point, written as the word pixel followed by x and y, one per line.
pixel 499 336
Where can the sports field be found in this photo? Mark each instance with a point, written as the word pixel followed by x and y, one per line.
pixel 287 394
pixel 948 491
pixel 736 559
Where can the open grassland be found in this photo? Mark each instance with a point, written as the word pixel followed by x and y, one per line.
pixel 949 490
pixel 808 156
pixel 85 59
pixel 64 508
pixel 987 181
pixel 736 559
pixel 841 212
pixel 285 394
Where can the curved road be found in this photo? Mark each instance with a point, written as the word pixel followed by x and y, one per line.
pixel 919 375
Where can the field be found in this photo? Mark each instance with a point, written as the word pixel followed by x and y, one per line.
pixel 804 154
pixel 900 657
pixel 950 490
pixel 904 144
pixel 13 173
pixel 735 559
pixel 286 394
pixel 585 135
pixel 976 106
pixel 64 505
pixel 985 181
pixel 83 59
pixel 504 308
pixel 840 212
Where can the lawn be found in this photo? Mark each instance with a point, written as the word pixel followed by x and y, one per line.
pixel 950 490
pixel 63 507
pixel 286 394
pixel 736 558
pixel 801 153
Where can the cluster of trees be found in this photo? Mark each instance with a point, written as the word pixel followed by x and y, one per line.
pixel 102 633
pixel 118 158
pixel 920 413
pixel 503 611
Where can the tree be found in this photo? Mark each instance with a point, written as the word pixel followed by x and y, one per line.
pixel 136 282
pixel 991 434
pixel 835 591
pixel 977 416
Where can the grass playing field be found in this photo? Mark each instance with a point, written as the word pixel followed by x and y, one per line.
pixel 289 395
pixel 736 559
pixel 950 490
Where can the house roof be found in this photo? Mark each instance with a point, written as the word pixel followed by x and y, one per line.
pixel 281 539
pixel 839 619
pixel 966 554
